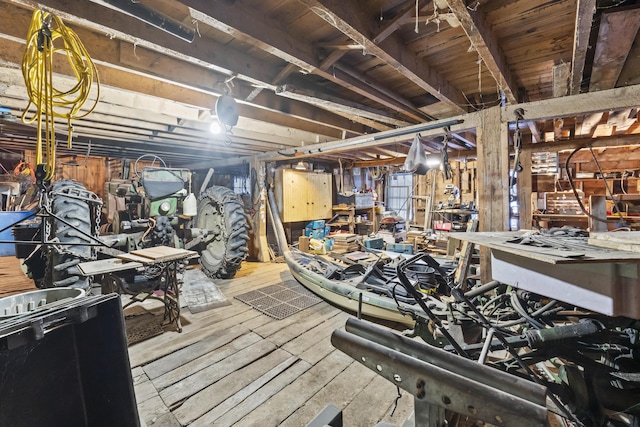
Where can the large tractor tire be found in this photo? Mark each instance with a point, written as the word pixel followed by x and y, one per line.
pixel 221 213
pixel 70 202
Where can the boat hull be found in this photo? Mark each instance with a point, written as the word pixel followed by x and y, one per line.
pixel 346 295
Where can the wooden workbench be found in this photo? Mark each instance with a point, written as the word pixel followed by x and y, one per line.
pixel 604 280
pixel 592 253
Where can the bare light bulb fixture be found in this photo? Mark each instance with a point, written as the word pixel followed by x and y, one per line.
pixel 215 127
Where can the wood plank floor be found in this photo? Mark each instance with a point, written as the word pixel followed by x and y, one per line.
pixel 12 279
pixel 233 365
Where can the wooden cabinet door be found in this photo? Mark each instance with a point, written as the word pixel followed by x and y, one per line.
pixel 303 196
pixel 320 196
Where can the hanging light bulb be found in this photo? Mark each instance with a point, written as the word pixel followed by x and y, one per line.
pixel 215 127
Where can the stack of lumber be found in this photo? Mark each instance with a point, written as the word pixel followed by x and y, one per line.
pixel 345 242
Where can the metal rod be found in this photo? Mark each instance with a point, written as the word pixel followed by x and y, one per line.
pixel 151 17
pixel 467 368
pixel 18 221
pixel 482 289
pixel 337 145
pixel 487 345
pixel 277 224
pixel 433 385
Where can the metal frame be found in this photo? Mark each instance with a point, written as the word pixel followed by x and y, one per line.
pixel 43 206
pixel 439 380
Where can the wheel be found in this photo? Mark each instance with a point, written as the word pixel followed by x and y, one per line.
pixel 221 213
pixel 70 202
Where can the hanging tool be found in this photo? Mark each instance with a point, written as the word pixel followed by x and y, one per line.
pixel 47 30
pixel 444 155
pixel 517 146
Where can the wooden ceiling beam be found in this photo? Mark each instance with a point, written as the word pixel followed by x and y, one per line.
pixel 338 105
pixel 282 76
pixel 561 73
pixel 486 44
pixel 467 138
pixel 584 103
pixel 246 25
pixel 392 50
pixel 617 33
pixel 136 102
pixel 390 26
pixel 585 10
pixel 379 162
pixel 201 51
pixel 606 154
pixel 572 144
pixel 331 59
pixel 417 114
pixel 379 151
pixel 159 64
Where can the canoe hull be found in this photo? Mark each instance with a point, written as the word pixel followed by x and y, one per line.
pixel 346 295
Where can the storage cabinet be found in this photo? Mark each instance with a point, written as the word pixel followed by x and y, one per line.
pixel 302 195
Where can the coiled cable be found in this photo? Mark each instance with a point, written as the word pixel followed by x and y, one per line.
pixel 47 36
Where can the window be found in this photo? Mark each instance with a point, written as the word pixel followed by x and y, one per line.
pixel 241 185
pixel 398 199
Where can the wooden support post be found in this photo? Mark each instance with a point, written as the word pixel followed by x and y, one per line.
pixel 466 252
pixel 428 208
pixel 598 208
pixel 524 189
pixel 493 179
pixel 259 238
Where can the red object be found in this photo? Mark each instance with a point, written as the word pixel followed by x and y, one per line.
pixel 442 226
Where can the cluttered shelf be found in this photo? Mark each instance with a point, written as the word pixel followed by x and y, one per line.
pixel 591 179
pixel 563 208
pixel 354 217
pixel 584 217
pixel 545 220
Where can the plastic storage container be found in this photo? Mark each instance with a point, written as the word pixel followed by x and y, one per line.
pixel 67 366
pixel 6 219
pixel 403 248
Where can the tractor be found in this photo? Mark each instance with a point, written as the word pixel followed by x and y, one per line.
pixel 156 208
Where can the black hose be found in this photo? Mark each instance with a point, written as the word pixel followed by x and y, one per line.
pixel 517 306
pixel 575 192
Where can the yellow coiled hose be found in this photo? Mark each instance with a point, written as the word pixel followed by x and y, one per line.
pixel 47 36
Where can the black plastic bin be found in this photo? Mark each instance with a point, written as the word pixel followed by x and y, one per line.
pixel 67 366
pixel 26 232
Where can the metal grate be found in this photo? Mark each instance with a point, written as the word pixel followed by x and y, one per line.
pixel 281 300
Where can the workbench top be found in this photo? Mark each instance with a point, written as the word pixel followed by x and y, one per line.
pixel 566 252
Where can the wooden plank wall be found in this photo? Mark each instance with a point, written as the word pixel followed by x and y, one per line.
pixel 92 172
